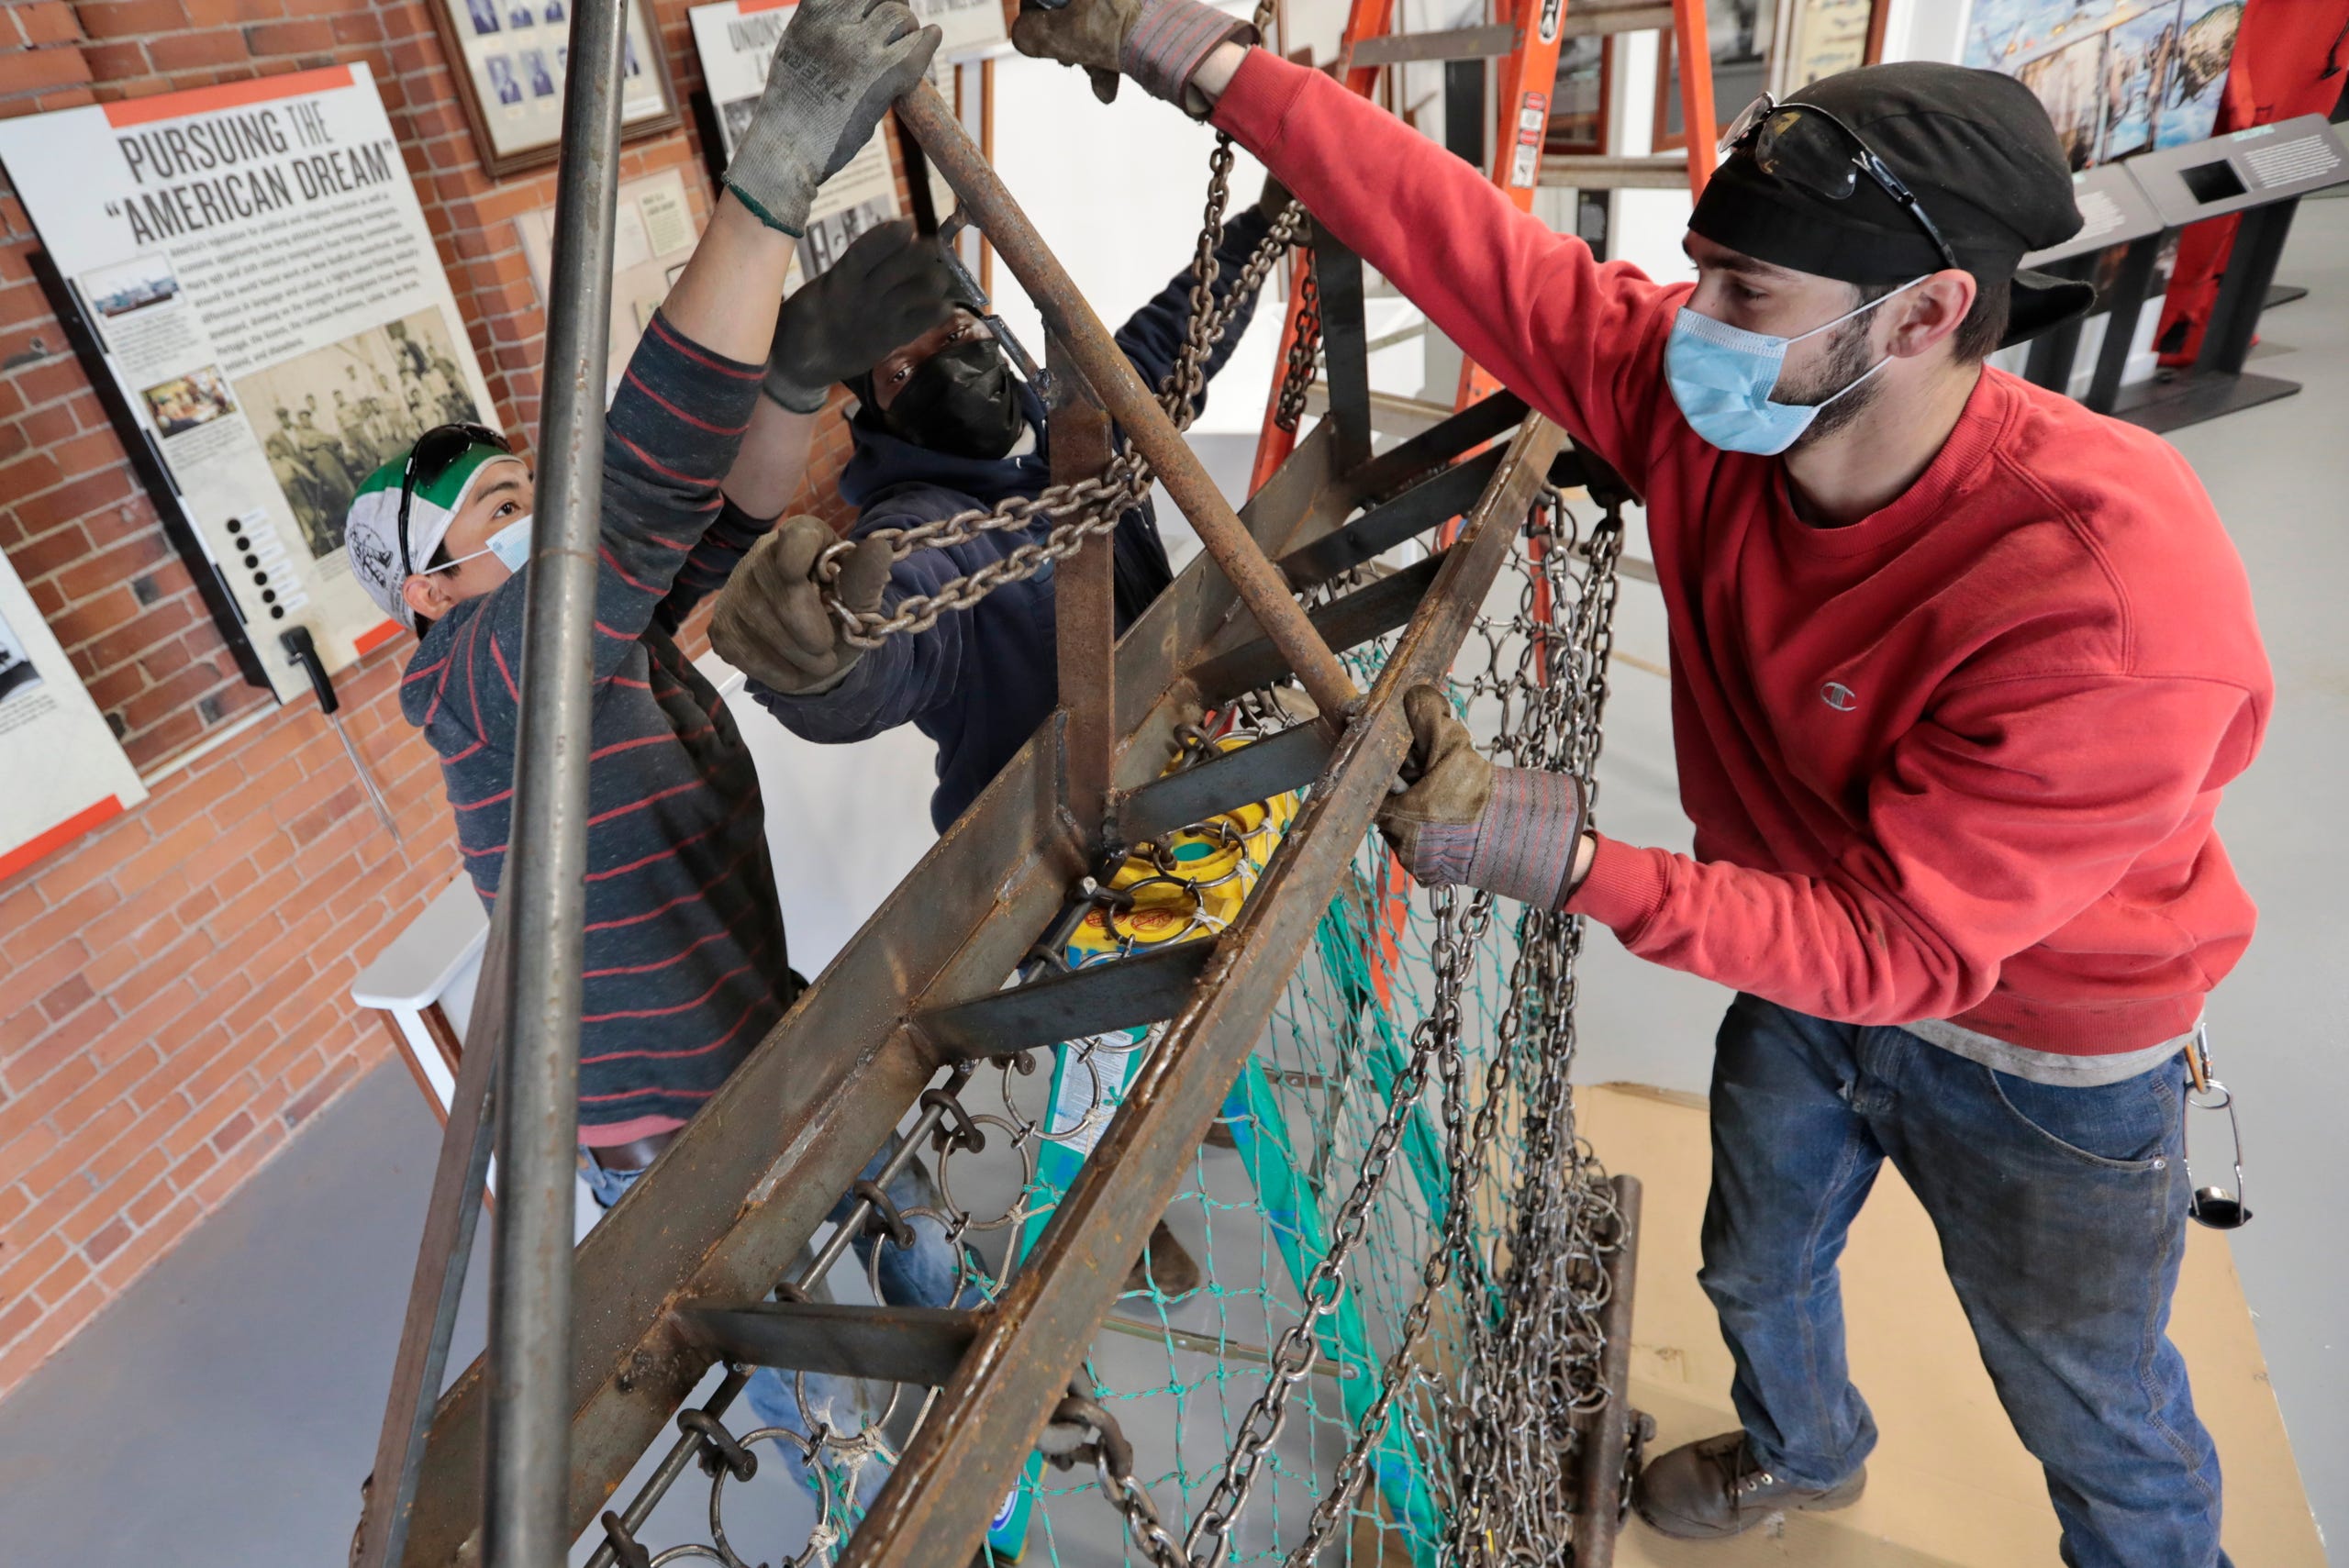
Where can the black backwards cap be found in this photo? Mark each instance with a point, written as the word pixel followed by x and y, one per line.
pixel 1978 151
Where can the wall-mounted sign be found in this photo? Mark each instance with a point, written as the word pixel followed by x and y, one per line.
pixel 61 772
pixel 654 235
pixel 248 280
pixel 736 40
pixel 512 57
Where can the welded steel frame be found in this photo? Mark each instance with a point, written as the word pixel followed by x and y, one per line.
pixel 719 1216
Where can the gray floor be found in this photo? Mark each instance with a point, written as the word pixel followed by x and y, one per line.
pixel 221 1413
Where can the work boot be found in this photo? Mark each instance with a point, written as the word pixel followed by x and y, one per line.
pixel 1165 1266
pixel 1715 1488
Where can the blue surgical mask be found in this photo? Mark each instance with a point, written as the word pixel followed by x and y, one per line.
pixel 1721 376
pixel 510 544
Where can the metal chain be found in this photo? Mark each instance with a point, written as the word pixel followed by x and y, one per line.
pixel 1304 349
pixel 1533 1365
pixel 1092 506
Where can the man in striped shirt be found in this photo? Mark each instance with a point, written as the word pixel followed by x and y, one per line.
pixel 685 964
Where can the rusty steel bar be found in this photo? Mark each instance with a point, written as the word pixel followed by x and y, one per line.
pixel 722 1215
pixel 970 1449
pixel 1599 1487
pixel 1084 603
pixel 450 1219
pixel 1130 401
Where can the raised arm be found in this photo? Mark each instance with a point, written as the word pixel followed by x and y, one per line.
pixel 1581 341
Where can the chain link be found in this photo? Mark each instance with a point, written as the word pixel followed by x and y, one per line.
pixel 1091 506
pixel 1533 1365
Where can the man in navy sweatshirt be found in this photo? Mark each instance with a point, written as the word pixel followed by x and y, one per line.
pixel 942 425
pixel 685 967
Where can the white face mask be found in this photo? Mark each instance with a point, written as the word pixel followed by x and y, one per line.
pixel 510 544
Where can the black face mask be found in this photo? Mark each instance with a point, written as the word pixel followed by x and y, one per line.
pixel 961 402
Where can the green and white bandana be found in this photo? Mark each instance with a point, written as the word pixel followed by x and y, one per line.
pixel 372 535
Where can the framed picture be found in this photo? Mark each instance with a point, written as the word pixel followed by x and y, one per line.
pixel 2115 79
pixel 1739 32
pixel 511 58
pixel 1823 37
pixel 1579 104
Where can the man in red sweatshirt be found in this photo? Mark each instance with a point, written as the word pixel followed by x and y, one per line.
pixel 1958 672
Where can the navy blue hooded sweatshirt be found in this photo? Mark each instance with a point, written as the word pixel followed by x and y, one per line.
pixel 981 679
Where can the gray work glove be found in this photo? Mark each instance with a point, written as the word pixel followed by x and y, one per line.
pixel 1512 832
pixel 886 289
pixel 837 68
pixel 771 622
pixel 1158 43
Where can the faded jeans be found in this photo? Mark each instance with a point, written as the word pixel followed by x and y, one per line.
pixel 2062 1218
pixel 920 1275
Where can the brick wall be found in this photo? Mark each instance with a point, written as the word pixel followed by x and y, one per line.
pixel 174 987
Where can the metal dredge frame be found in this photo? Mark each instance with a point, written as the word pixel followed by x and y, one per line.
pixel 528 1445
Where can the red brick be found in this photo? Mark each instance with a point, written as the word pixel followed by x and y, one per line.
pixel 66 997
pixel 30 476
pixel 17 1317
pixel 29 985
pixel 32 69
pixel 152 1243
pixel 339 1073
pixel 130 18
pixel 61 1282
pixel 75 1038
pixel 46 21
pixel 103 1245
pixel 232 1132
pixel 120 564
pixel 78 499
pixel 189 51
pixel 28 1264
pixel 289 38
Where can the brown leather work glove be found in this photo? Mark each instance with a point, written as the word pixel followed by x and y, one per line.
pixel 1508 831
pixel 771 623
pixel 1158 43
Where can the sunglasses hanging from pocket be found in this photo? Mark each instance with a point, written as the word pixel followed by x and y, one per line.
pixel 2213 1206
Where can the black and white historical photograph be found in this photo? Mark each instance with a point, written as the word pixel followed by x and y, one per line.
pixel 17 672
pixel 331 417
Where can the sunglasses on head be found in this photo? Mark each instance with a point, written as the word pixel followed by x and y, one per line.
pixel 429 459
pixel 1812 151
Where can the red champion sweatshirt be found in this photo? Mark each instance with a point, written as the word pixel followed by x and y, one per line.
pixel 1956 761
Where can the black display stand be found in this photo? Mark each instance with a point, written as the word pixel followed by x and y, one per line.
pixel 2259 174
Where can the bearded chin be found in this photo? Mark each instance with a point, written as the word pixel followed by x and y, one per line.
pixel 1850 358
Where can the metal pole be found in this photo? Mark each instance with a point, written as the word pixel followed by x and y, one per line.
pixel 441 1259
pixel 1111 375
pixel 546 859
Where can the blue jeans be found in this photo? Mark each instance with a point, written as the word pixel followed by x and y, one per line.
pixel 2062 1218
pixel 920 1275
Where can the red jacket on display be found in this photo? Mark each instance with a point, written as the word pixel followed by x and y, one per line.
pixel 1957 760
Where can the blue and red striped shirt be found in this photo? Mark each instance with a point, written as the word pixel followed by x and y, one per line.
pixel 686 964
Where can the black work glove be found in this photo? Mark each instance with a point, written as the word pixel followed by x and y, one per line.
pixel 1274 199
pixel 771 622
pixel 888 287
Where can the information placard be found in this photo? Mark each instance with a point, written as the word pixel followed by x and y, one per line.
pixel 736 40
pixel 654 235
pixel 2242 169
pixel 61 773
pixel 255 273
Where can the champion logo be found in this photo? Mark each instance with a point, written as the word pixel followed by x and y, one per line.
pixel 1838 697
